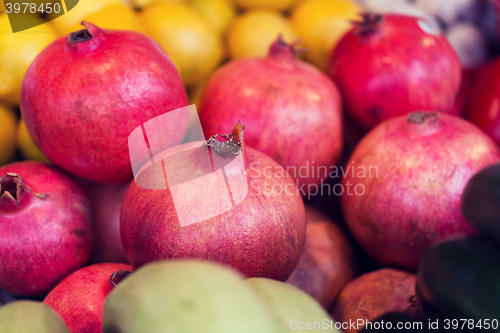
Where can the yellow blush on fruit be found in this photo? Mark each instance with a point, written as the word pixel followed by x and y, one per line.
pixel 194 45
pixel 271 4
pixel 252 33
pixel 219 13
pixel 321 24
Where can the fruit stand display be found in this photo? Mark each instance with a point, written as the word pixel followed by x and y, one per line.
pixel 227 166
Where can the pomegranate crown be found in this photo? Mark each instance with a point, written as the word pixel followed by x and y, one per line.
pixel 12 187
pixel 369 24
pixel 280 48
pixel 233 142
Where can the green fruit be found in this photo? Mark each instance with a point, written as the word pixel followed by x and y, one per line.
pixel 188 297
pixel 481 202
pixel 291 307
pixel 460 278
pixel 29 316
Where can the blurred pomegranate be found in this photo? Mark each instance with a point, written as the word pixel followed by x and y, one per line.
pixel 484 105
pixel 44 226
pixel 403 184
pixel 82 96
pixel 238 208
pixel 389 65
pixel 373 294
pixel 327 262
pixel 79 298
pixel 292 111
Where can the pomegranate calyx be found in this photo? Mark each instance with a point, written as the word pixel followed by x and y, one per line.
pixel 79 36
pixel 12 188
pixel 370 24
pixel 421 117
pixel 118 277
pixel 280 48
pixel 233 142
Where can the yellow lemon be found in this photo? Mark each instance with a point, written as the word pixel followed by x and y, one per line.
pixel 219 13
pixel 194 46
pixel 143 3
pixel 113 17
pixel 28 148
pixel 273 4
pixel 17 51
pixel 321 24
pixel 252 33
pixel 7 135
pixel 74 17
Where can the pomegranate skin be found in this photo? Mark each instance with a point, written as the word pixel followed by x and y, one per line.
pixel 262 236
pixel 106 203
pixel 403 69
pixel 291 109
pixel 43 239
pixel 420 165
pixel 81 100
pixel 79 298
pixel 327 262
pixel 374 294
pixel 484 106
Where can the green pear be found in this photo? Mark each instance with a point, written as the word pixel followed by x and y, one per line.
pixel 186 296
pixel 292 308
pixel 29 317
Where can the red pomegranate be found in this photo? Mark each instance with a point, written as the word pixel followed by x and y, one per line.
pixel 292 111
pixel 79 298
pixel 389 65
pixel 45 228
pixel 82 96
pixel 219 201
pixel 374 294
pixel 327 262
pixel 106 203
pixel 404 181
pixel 484 105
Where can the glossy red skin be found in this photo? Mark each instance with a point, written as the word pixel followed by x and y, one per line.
pixel 291 109
pixel 106 203
pixel 81 101
pixel 484 106
pixel 327 262
pixel 43 240
pixel 415 200
pixel 395 70
pixel 79 298
pixel 462 101
pixel 262 236
pixel 374 294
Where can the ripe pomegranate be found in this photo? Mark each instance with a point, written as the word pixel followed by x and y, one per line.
pixel 404 181
pixel 327 262
pixel 373 294
pixel 389 65
pixel 484 104
pixel 44 226
pixel 238 208
pixel 106 203
pixel 82 96
pixel 292 110
pixel 79 298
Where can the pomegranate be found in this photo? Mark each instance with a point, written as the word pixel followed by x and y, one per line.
pixel 404 181
pixel 484 104
pixel 389 65
pixel 82 96
pixel 373 294
pixel 44 226
pixel 106 203
pixel 327 262
pixel 79 298
pixel 292 110
pixel 219 201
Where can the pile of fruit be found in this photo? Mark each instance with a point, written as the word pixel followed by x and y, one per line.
pixel 251 166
